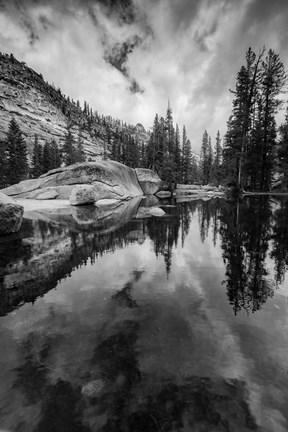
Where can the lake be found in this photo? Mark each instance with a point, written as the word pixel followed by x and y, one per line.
pixel 115 321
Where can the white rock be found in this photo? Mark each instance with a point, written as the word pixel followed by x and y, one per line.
pixel 156 211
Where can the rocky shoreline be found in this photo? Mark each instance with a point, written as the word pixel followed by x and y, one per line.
pixel 89 183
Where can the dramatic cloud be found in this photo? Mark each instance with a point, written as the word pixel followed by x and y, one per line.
pixel 127 57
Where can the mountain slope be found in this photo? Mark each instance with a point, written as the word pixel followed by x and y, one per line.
pixel 41 109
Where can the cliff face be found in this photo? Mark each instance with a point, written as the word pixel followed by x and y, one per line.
pixel 40 109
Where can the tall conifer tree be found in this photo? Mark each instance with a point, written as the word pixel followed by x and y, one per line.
pixel 37 159
pixel 17 158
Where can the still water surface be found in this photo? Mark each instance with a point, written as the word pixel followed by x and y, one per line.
pixel 114 321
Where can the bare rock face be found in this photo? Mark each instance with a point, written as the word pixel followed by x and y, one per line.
pixel 25 96
pixel 149 181
pixel 11 215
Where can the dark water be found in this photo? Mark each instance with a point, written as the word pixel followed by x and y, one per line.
pixel 115 321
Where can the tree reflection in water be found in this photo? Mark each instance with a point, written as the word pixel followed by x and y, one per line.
pixel 279 251
pixel 245 233
pixel 245 227
pixel 127 397
pixel 134 401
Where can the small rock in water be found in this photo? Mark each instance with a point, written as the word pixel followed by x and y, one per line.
pixel 93 387
pixel 156 211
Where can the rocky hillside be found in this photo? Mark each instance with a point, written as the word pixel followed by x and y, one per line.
pixel 41 109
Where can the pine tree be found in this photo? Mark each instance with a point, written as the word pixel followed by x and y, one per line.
pixel 216 167
pixel 205 158
pixel 79 155
pixel 194 170
pixel 283 149
pixel 251 146
pixel 209 160
pixel 178 155
pixel 170 131
pixel 154 150
pixel 114 153
pixel 3 164
pixel 273 80
pixel 37 159
pixel 17 160
pixel 47 161
pixel 142 155
pixel 244 106
pixel 186 158
pixel 132 153
pixel 69 149
pixel 55 155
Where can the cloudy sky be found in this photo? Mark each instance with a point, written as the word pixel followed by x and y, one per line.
pixel 127 57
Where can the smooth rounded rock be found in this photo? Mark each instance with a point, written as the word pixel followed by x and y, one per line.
pixel 46 195
pixel 149 181
pixel 11 215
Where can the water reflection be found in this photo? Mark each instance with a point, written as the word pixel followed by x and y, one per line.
pixel 279 251
pixel 139 335
pixel 51 246
pixel 245 231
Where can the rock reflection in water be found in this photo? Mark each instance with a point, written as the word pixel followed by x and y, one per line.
pixel 51 245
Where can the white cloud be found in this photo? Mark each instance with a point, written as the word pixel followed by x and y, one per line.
pixel 190 53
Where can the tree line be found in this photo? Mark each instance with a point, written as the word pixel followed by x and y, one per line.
pixel 254 147
pixel 166 152
pixel 14 160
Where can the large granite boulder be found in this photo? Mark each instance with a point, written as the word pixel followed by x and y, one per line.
pixel 110 180
pixel 11 215
pixel 149 181
pixel 104 180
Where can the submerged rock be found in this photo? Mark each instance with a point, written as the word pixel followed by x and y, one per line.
pixel 93 387
pixel 11 215
pixel 149 181
pixel 163 194
pixel 156 211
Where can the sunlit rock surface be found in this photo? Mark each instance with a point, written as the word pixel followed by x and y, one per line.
pixel 11 215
